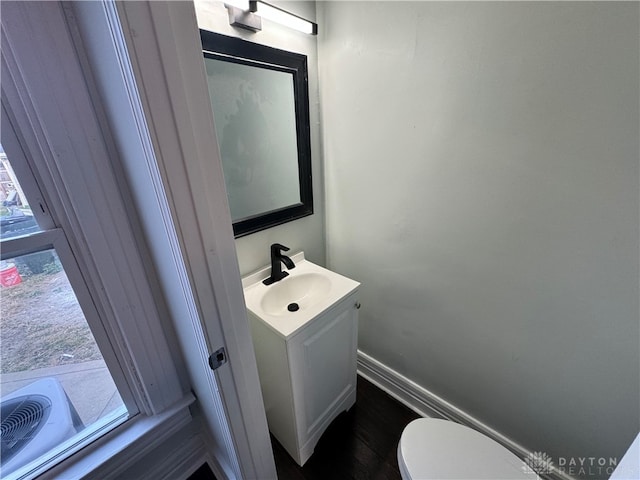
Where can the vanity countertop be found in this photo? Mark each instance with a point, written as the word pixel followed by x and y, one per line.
pixel 315 289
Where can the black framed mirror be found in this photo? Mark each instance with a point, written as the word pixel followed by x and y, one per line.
pixel 260 101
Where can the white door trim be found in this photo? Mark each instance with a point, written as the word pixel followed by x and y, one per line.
pixel 179 186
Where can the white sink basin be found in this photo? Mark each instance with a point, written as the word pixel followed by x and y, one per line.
pixel 303 291
pixel 311 288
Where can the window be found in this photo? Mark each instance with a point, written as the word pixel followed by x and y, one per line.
pixel 57 390
pixel 71 243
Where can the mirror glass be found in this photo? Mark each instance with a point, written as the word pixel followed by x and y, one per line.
pixel 259 97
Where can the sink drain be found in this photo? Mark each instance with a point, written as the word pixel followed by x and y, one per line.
pixel 293 307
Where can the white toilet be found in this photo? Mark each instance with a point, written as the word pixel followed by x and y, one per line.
pixel 431 448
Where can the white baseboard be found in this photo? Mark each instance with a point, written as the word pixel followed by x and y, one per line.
pixel 428 404
pixel 185 459
pixel 217 470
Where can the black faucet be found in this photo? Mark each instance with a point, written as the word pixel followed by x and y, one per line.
pixel 277 258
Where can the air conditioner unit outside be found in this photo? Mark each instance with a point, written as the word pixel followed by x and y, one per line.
pixel 35 419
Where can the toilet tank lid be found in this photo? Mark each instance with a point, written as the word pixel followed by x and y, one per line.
pixel 432 448
pixel 629 466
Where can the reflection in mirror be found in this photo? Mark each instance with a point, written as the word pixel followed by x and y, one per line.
pixel 259 97
pixel 256 153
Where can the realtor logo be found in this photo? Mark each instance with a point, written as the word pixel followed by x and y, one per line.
pixel 537 462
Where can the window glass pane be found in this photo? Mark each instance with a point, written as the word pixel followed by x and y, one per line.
pixel 54 382
pixel 16 217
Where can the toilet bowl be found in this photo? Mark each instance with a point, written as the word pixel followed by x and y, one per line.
pixel 431 448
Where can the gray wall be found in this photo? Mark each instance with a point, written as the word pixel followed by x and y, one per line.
pixel 481 169
pixel 307 233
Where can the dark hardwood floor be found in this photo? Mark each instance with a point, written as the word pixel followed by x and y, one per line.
pixel 359 444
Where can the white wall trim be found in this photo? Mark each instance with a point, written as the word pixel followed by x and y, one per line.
pixel 213 464
pixel 175 456
pixel 428 404
pixel 183 461
pixel 114 452
pixel 165 51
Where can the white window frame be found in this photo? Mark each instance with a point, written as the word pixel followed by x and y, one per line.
pixel 53 237
pixel 46 101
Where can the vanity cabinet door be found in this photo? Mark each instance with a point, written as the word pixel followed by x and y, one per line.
pixel 322 359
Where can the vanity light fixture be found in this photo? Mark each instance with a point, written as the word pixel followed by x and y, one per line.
pixel 249 15
pixel 241 16
pixel 276 14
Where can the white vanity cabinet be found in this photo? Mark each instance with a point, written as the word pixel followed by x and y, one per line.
pixel 308 379
pixel 308 370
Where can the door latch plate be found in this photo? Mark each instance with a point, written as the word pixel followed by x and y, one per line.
pixel 217 358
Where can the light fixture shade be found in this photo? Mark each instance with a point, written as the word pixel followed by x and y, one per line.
pixel 241 4
pixel 275 14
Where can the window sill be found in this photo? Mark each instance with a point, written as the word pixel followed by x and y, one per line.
pixel 114 452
